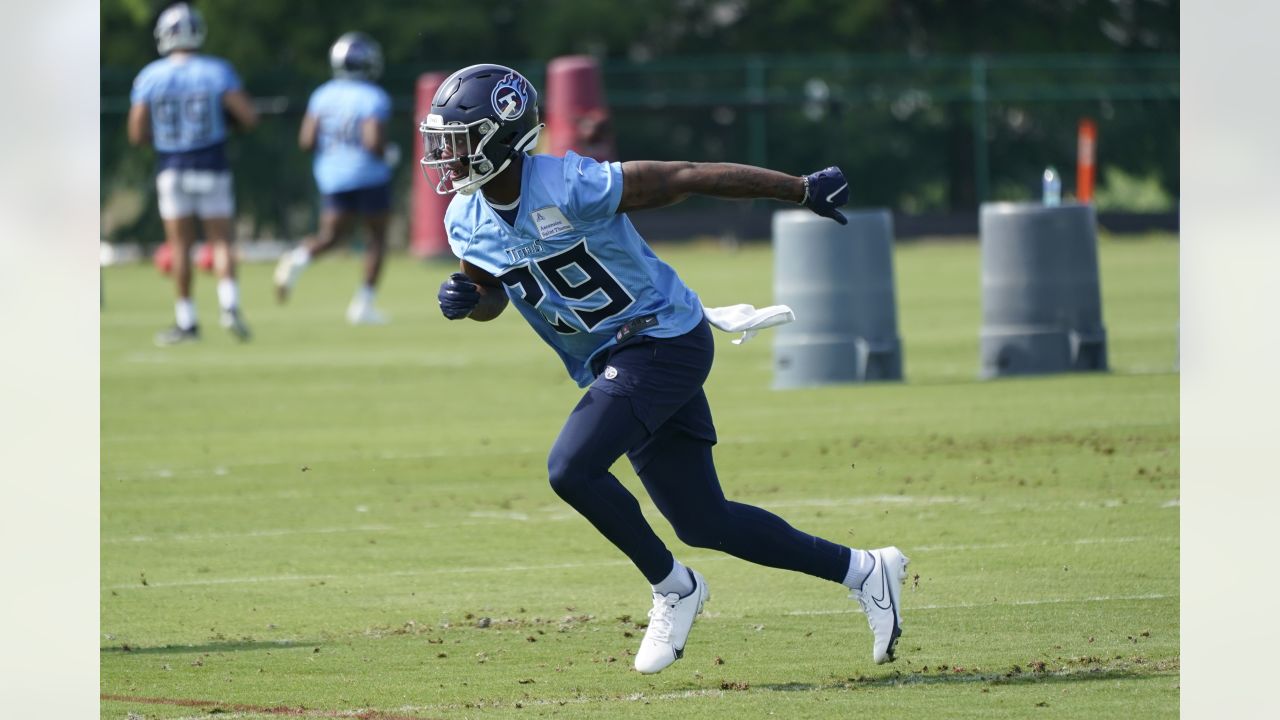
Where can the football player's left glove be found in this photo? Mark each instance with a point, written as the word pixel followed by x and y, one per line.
pixel 458 296
pixel 826 190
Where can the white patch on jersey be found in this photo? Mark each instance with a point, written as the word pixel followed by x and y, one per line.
pixel 610 372
pixel 550 221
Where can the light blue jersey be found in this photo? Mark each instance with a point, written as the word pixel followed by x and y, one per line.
pixel 184 94
pixel 575 269
pixel 342 162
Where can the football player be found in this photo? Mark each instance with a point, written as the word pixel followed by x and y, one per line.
pixel 551 235
pixel 346 126
pixel 181 105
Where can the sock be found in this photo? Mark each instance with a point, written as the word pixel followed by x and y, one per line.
pixel 678 581
pixel 228 294
pixel 300 256
pixel 185 313
pixel 861 563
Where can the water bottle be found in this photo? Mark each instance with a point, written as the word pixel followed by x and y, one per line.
pixel 1052 187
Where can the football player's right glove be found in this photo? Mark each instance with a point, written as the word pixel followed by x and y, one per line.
pixel 458 296
pixel 826 190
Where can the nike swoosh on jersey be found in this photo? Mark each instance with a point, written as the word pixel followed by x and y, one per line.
pixel 837 191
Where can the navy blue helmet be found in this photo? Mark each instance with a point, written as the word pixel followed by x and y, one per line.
pixel 356 55
pixel 481 118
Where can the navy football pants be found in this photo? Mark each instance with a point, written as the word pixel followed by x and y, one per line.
pixel 648 404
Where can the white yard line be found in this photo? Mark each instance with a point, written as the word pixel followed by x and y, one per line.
pixel 352 360
pixel 866 500
pixel 480 518
pixel 269 532
pixel 502 569
pixel 314 460
pixel 1039 601
pixel 558 513
pixel 1042 543
pixel 545 514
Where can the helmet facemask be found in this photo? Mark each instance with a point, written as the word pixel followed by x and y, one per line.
pixel 461 157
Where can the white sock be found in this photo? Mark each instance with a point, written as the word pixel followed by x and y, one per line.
pixel 364 296
pixel 300 256
pixel 184 312
pixel 228 294
pixel 861 563
pixel 678 581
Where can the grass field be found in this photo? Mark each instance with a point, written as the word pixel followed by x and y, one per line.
pixel 355 522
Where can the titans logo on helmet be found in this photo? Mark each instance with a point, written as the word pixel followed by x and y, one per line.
pixel 510 96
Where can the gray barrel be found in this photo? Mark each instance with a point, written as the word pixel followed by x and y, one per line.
pixel 1041 304
pixel 839 281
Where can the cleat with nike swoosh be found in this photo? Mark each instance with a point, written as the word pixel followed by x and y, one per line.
pixel 670 620
pixel 880 598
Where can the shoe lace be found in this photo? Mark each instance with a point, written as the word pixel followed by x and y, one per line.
pixel 661 619
pixel 862 602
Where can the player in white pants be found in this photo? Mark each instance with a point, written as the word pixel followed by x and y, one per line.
pixel 179 106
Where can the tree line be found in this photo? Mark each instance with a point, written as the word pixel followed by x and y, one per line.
pixel 915 152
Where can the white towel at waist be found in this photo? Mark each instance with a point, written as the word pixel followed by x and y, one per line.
pixel 747 320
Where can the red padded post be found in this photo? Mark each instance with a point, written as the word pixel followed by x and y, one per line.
pixel 426 208
pixel 577 116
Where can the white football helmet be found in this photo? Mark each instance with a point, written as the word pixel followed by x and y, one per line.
pixel 357 56
pixel 180 27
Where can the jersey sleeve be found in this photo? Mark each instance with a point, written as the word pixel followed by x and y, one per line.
pixel 230 80
pixel 142 85
pixel 595 188
pixel 313 103
pixel 381 105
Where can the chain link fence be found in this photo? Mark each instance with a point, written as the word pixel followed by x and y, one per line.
pixel 917 135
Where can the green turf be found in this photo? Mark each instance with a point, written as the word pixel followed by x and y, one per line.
pixel 332 521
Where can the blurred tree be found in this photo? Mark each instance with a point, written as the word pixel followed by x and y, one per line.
pixel 906 127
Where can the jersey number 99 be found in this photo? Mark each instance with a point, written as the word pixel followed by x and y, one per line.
pixel 186 118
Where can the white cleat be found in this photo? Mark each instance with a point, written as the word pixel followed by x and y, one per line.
pixel 234 324
pixel 880 598
pixel 286 276
pixel 364 314
pixel 669 623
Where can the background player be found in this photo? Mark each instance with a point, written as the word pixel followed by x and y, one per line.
pixel 346 125
pixel 552 234
pixel 180 105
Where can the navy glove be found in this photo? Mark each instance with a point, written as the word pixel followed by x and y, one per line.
pixel 458 296
pixel 826 190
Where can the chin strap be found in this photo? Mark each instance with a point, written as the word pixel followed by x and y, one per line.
pixel 530 138
pixel 528 141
